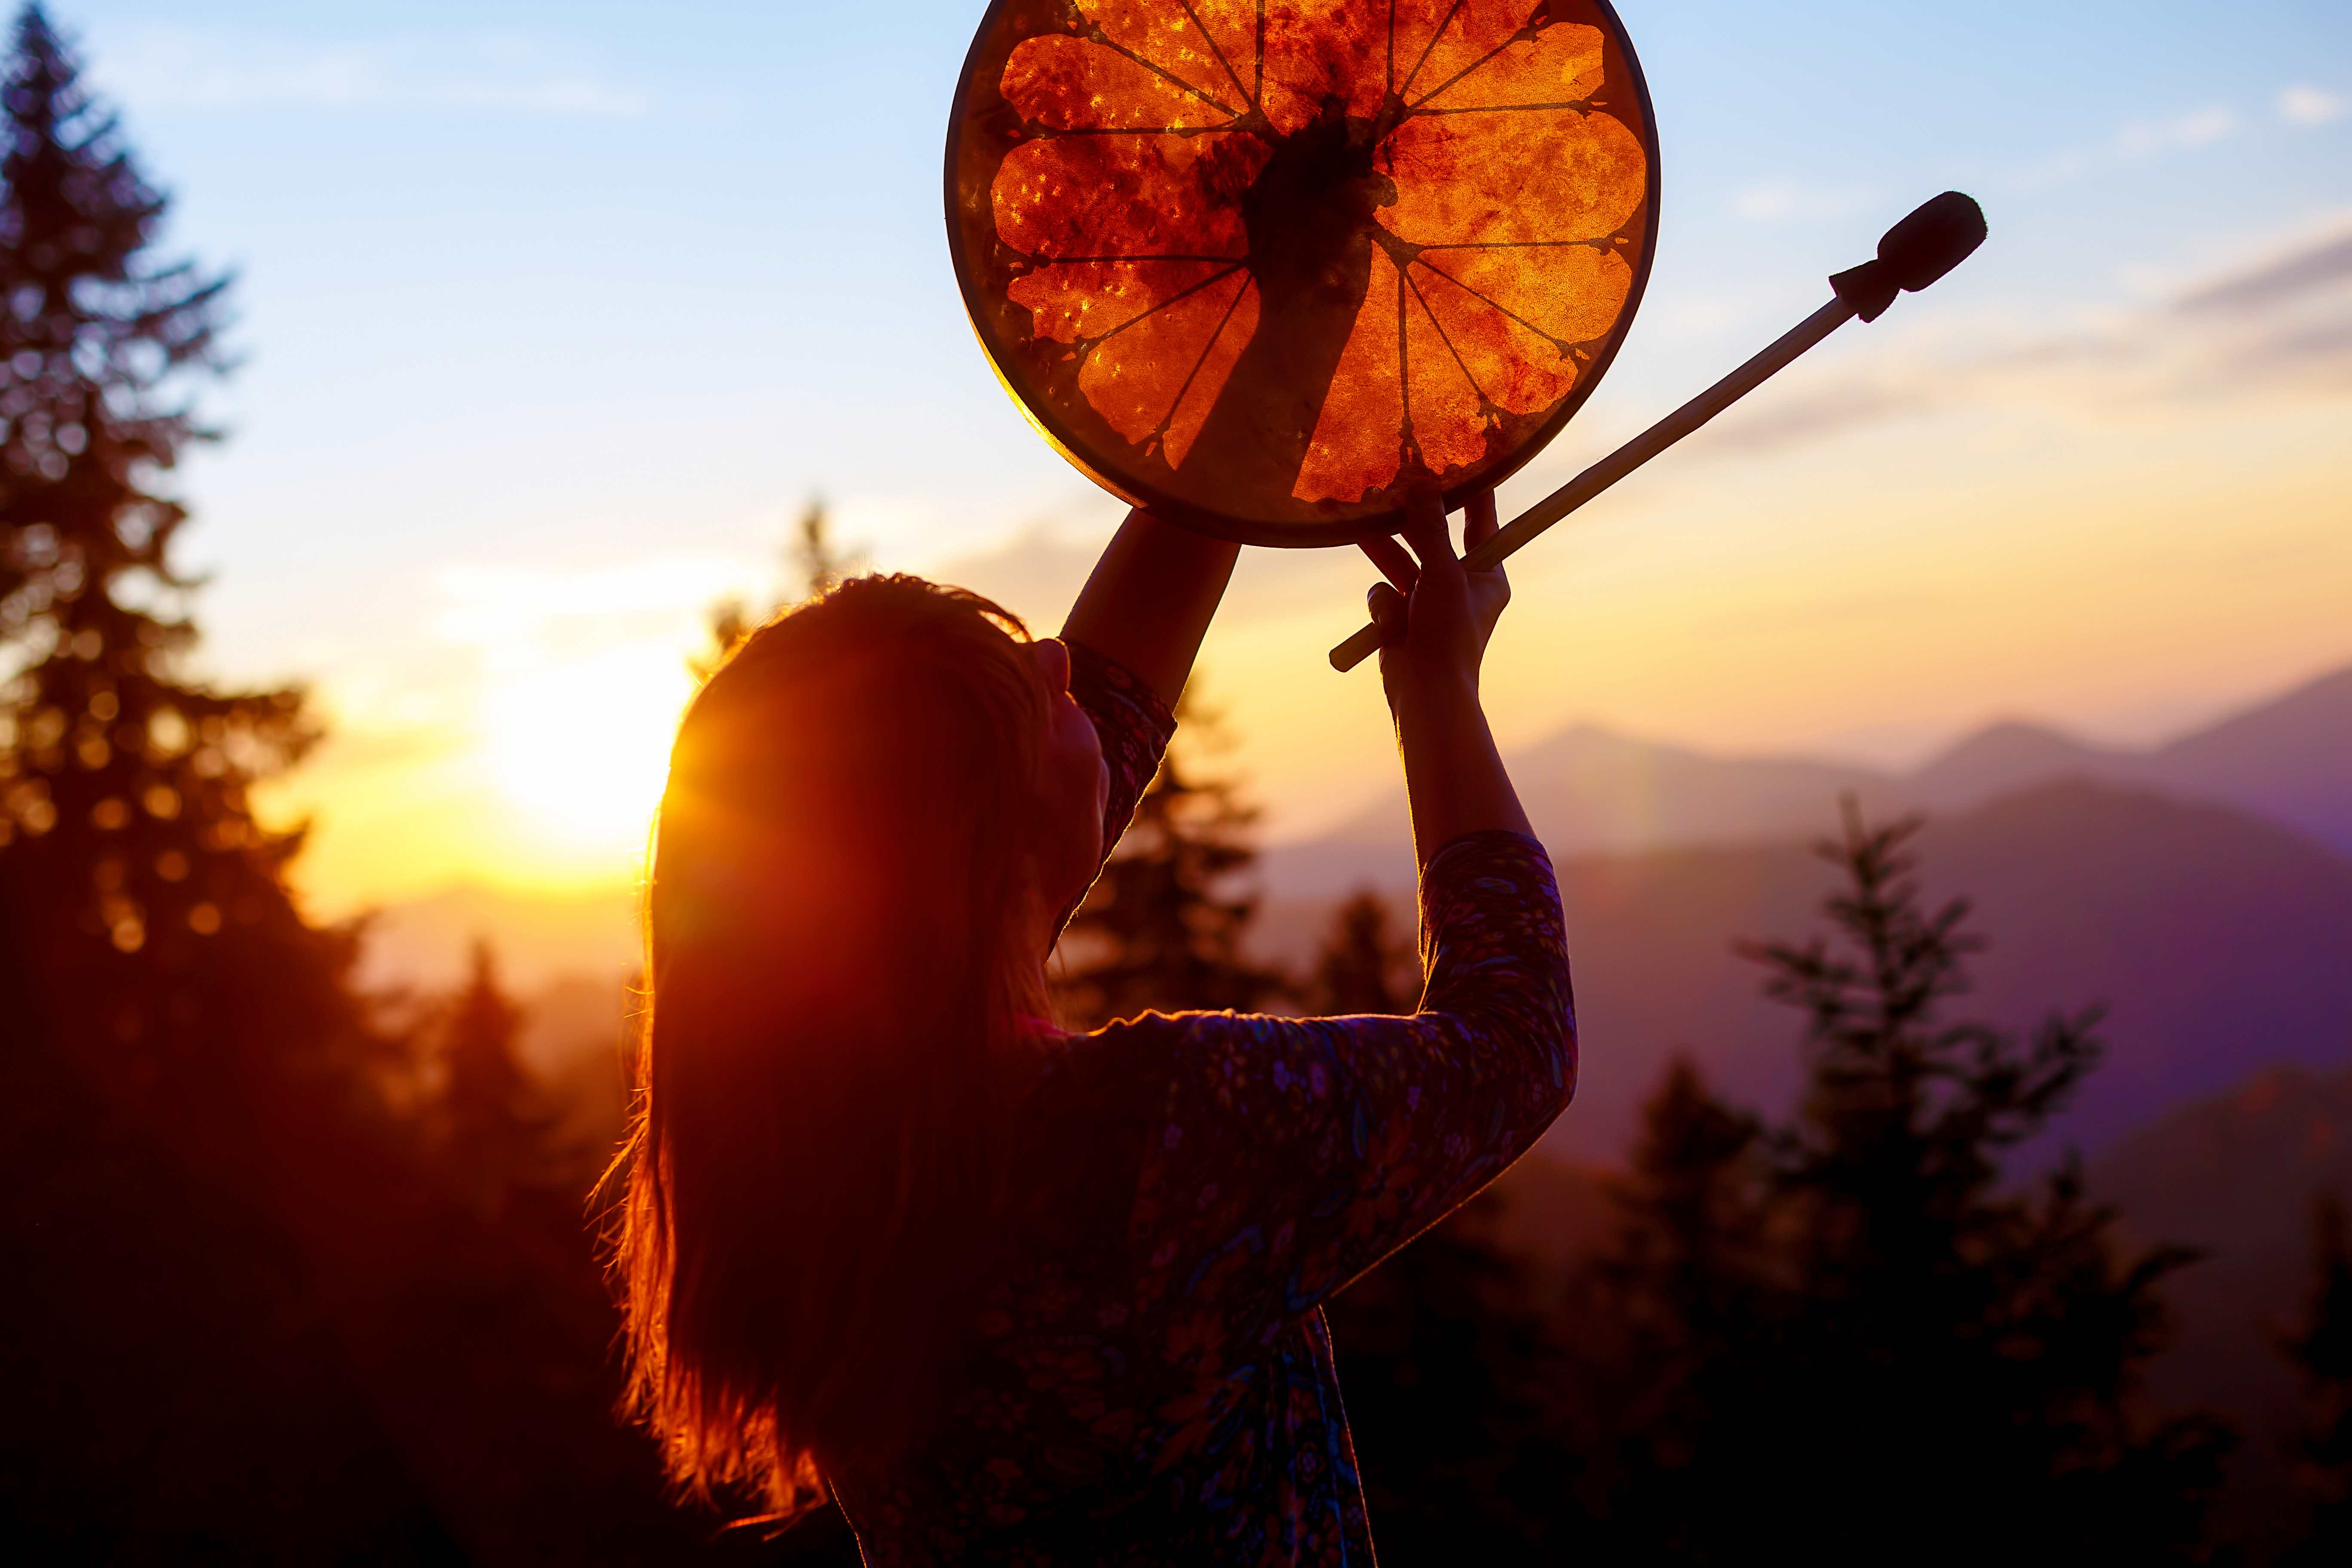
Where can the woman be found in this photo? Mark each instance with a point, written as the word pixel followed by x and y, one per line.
pixel 1012 1295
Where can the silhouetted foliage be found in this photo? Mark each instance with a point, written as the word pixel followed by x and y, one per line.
pixel 2321 1349
pixel 494 1135
pixel 256 1326
pixel 1362 968
pixel 1163 926
pixel 822 560
pixel 135 868
pixel 1449 1369
pixel 1841 1328
pixel 179 1040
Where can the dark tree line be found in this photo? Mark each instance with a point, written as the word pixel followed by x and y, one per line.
pixel 289 1281
pixel 2321 1349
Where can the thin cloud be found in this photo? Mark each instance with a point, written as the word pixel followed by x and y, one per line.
pixel 1870 399
pixel 1777 201
pixel 2199 128
pixel 2277 322
pixel 2301 105
pixel 514 611
pixel 2134 142
pixel 1036 572
pixel 2278 280
pixel 168 67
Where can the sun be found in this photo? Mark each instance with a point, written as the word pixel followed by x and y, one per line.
pixel 579 750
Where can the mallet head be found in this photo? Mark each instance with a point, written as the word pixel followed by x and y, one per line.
pixel 1937 235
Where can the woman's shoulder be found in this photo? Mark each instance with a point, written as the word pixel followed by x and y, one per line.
pixel 1097 1109
pixel 1104 1073
pixel 1124 1067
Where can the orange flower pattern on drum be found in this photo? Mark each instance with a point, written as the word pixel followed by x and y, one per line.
pixel 1498 187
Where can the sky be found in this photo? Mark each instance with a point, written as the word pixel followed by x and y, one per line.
pixel 551 317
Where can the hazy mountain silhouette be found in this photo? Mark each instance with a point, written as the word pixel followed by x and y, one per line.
pixel 2220 943
pixel 2290 760
pixel 540 938
pixel 1590 791
pixel 2002 758
pixel 2221 936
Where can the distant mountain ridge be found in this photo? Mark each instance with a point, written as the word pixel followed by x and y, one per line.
pixel 2220 934
pixel 537 938
pixel 1590 791
pixel 2219 943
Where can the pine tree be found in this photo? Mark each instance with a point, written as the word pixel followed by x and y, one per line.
pixel 493 1135
pixel 132 865
pixel 1163 926
pixel 186 1124
pixel 2322 1352
pixel 243 1326
pixel 821 560
pixel 1845 1328
pixel 1448 1369
pixel 1361 967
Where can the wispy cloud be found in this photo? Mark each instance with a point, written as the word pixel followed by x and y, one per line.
pixel 2301 105
pixel 2134 142
pixel 171 67
pixel 2276 322
pixel 2199 128
pixel 2280 278
pixel 512 609
pixel 1777 200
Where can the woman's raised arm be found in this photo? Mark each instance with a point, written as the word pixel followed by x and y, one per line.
pixel 1434 622
pixel 1150 598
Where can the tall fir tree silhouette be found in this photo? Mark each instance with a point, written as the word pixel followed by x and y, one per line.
pixel 494 1136
pixel 1163 926
pixel 1843 1328
pixel 1364 966
pixel 152 902
pixel 188 1124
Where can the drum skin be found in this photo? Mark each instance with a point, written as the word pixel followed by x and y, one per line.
pixel 1264 266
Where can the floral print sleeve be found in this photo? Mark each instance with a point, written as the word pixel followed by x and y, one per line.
pixel 1291 1156
pixel 1133 723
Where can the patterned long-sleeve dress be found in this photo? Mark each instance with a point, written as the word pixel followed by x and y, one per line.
pixel 1151 1379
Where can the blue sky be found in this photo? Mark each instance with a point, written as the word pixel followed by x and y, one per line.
pixel 554 314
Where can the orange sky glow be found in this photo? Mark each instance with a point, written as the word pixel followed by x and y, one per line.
pixel 550 320
pixel 2120 547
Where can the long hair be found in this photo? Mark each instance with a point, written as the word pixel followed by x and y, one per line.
pixel 836 983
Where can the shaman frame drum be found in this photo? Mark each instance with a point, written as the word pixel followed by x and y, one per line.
pixel 1262 265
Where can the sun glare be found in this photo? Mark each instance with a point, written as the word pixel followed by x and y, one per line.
pixel 579 750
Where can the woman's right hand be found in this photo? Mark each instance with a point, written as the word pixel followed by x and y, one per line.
pixel 1434 617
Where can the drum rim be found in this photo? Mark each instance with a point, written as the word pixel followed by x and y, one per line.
pixel 1221 525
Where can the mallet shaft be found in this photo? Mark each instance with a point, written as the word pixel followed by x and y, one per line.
pixel 1628 456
